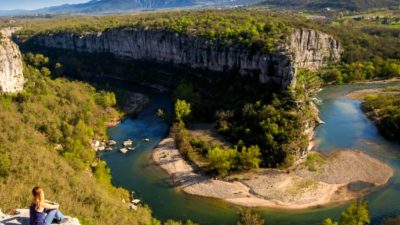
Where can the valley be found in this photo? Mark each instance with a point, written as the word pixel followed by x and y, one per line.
pixel 241 106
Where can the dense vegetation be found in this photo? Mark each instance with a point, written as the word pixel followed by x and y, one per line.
pixel 352 5
pixel 371 47
pixel 253 30
pixel 356 214
pixel 384 109
pixel 248 217
pixel 266 129
pixel 45 134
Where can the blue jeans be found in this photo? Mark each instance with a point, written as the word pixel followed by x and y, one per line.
pixel 53 215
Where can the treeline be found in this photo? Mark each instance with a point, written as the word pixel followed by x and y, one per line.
pixel 351 5
pixel 371 51
pixel 374 69
pixel 261 32
pixel 384 109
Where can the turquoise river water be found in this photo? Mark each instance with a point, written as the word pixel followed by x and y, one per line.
pixel 346 127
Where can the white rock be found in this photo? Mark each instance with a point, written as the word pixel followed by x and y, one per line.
pixel 132 206
pixel 135 201
pixel 128 142
pixel 11 69
pixel 22 218
pixel 123 150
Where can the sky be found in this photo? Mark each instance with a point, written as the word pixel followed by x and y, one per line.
pixel 34 4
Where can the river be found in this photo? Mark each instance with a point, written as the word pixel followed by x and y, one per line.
pixel 346 127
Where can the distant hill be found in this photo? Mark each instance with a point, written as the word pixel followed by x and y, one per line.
pixel 353 5
pixel 112 6
pixel 106 6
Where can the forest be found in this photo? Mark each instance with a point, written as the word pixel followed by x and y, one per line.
pixel 384 109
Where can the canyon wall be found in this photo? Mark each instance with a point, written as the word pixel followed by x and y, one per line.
pixel 11 67
pixel 304 48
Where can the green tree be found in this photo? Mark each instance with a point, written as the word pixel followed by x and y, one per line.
pixel 329 221
pixel 249 158
pixel 222 160
pixel 182 110
pixel 248 217
pixel 356 214
pixel 102 172
pixel 106 99
pixel 4 165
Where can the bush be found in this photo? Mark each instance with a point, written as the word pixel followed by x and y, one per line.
pixel 5 165
pixel 249 158
pixel 248 217
pixel 222 160
pixel 356 214
pixel 182 110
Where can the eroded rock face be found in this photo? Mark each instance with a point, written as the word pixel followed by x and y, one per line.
pixel 11 69
pixel 304 48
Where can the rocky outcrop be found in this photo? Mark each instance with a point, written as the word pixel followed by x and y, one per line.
pixel 21 217
pixel 11 69
pixel 312 49
pixel 304 48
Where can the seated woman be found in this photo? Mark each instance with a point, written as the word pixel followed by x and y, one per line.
pixel 43 212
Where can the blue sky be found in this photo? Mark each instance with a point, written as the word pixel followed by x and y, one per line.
pixel 34 4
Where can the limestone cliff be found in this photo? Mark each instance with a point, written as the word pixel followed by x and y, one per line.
pixel 304 48
pixel 11 69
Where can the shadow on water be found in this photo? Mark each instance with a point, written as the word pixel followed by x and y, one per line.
pixel 346 127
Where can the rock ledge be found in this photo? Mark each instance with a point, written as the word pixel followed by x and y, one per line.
pixel 22 218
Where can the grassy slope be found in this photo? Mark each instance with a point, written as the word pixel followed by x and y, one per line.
pixel 29 123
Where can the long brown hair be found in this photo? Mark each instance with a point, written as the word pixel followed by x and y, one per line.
pixel 38 196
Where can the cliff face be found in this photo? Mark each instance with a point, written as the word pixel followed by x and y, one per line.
pixel 304 48
pixel 11 69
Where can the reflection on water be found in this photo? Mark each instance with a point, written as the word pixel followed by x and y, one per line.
pixel 345 127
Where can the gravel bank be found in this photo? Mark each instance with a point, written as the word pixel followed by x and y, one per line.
pixel 344 176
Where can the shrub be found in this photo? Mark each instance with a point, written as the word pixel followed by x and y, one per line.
pixel 249 217
pixel 5 165
pixel 249 158
pixel 222 160
pixel 182 110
